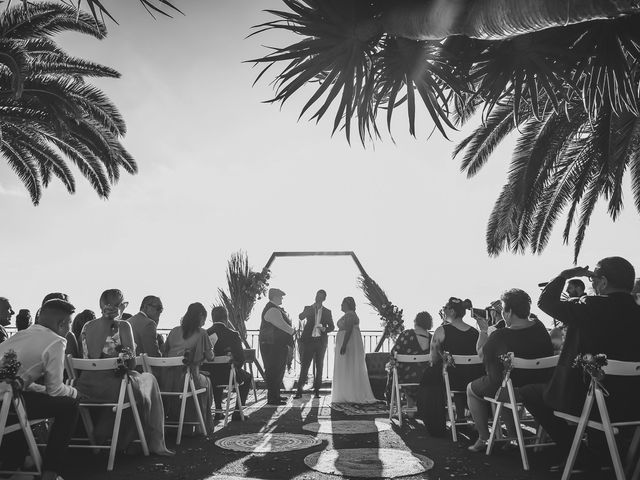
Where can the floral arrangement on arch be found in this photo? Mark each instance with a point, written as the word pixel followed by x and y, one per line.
pixel 9 372
pixel 245 287
pixel 390 315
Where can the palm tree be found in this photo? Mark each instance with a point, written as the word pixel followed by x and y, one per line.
pixel 561 75
pixel 49 114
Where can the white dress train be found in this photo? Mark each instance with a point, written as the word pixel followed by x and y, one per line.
pixel 350 377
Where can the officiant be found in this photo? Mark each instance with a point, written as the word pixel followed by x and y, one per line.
pixel 318 322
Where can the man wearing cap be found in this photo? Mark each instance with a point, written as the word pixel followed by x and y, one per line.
pixel 276 337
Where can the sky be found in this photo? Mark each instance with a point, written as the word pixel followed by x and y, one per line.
pixel 222 171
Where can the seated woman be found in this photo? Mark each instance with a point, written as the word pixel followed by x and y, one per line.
pixel 524 337
pixel 78 324
pixel 414 341
pixel 191 341
pixel 455 337
pixel 106 337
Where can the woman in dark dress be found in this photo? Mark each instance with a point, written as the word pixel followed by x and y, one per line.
pixel 455 337
pixel 414 341
pixel 524 337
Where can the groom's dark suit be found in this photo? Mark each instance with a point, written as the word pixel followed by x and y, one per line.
pixel 314 347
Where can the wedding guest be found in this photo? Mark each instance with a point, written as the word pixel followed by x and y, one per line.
pixel 6 312
pixel 415 341
pixel 458 338
pixel 314 338
pixel 455 337
pixel 557 339
pixel 226 341
pixel 72 344
pixel 23 319
pixel 40 351
pixel 107 337
pixel 607 323
pixel 575 289
pixel 51 296
pixel 276 342
pixel 76 327
pixel 524 337
pixel 126 316
pixel 144 325
pixel 189 340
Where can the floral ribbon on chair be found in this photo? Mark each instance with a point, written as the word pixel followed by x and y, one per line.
pixel 9 372
pixel 447 360
pixel 591 366
pixel 125 361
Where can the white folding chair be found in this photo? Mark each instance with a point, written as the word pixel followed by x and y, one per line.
pixel 515 406
pixel 8 400
pixel 189 390
pixel 396 386
pixel 232 386
pixel 77 364
pixel 249 358
pixel 458 360
pixel 610 429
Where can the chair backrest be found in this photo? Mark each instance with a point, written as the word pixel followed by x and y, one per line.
pixel 99 364
pixel 412 358
pixel 466 359
pixel 622 369
pixel 221 360
pixel 534 363
pixel 148 361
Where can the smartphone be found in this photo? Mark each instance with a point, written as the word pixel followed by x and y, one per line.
pixel 480 312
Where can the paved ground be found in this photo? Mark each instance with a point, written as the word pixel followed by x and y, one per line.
pixel 199 459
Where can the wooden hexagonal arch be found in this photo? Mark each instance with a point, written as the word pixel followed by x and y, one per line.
pixel 353 256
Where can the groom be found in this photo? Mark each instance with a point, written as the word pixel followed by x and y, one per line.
pixel 276 338
pixel 314 338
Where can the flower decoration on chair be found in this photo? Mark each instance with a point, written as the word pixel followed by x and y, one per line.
pixel 507 361
pixel 9 372
pixel 591 366
pixel 447 360
pixel 125 360
pixel 390 315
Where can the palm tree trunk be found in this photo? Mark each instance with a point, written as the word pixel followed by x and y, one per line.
pixel 494 19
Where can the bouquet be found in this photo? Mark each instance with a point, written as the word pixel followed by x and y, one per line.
pixel 507 361
pixel 9 372
pixel 125 360
pixel 591 366
pixel 447 360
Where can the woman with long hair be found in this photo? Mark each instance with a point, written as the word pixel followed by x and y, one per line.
pixel 189 340
pixel 108 337
pixel 350 377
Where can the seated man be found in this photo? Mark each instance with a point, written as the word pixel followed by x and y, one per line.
pixel 144 325
pixel 226 342
pixel 6 312
pixel 608 323
pixel 40 350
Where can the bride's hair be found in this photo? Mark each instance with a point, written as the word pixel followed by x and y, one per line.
pixel 350 303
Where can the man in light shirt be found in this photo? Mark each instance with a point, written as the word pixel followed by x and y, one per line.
pixel 276 337
pixel 6 312
pixel 314 338
pixel 40 350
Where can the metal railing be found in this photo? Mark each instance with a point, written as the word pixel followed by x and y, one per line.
pixel 370 339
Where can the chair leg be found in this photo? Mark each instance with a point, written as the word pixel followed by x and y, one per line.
pixel 452 418
pixel 253 383
pixel 392 399
pixel 229 390
pixel 28 433
pixel 636 471
pixel 495 428
pixel 577 439
pixel 116 426
pixel 238 399
pixel 4 413
pixel 196 404
pixel 633 449
pixel 608 432
pixel 183 407
pixel 136 418
pixel 398 398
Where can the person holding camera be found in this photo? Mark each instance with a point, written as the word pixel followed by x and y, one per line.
pixel 525 337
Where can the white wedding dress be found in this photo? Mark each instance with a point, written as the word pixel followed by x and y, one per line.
pixel 350 378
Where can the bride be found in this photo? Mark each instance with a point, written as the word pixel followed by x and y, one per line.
pixel 350 377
